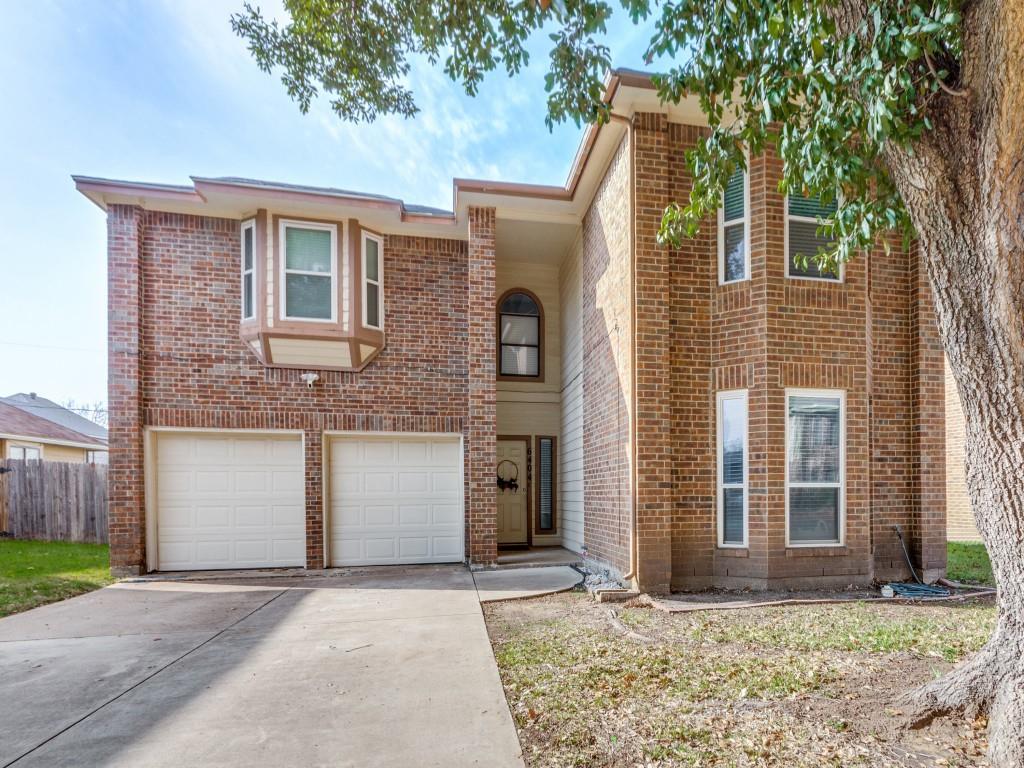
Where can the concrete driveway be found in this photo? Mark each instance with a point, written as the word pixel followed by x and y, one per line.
pixel 367 667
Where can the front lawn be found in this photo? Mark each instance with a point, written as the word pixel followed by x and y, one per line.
pixel 34 573
pixel 968 562
pixel 796 686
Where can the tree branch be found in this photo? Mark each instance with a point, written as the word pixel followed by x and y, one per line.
pixel 935 74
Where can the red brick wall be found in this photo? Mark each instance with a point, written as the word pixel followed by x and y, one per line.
pixel 607 367
pixel 871 335
pixel 483 447
pixel 195 371
pixel 126 488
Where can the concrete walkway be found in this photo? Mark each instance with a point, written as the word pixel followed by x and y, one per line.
pixel 367 667
pixel 519 583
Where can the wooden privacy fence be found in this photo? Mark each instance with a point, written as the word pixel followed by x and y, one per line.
pixel 54 500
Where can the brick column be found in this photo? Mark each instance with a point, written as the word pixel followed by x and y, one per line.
pixel 125 483
pixel 482 511
pixel 652 338
pixel 928 547
pixel 314 448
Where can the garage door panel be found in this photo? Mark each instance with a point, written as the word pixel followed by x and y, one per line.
pixel 229 502
pixel 396 500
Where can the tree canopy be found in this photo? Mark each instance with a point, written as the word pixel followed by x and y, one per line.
pixel 825 85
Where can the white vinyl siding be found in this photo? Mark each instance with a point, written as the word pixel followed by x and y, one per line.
pixel 373 282
pixel 570 454
pixel 309 271
pixel 733 470
pixel 815 467
pixel 734 229
pixel 248 265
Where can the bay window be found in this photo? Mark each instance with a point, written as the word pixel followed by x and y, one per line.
pixel 733 230
pixel 815 467
pixel 373 282
pixel 803 217
pixel 248 270
pixel 733 501
pixel 309 270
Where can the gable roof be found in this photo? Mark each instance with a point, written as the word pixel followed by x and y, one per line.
pixel 18 424
pixel 58 414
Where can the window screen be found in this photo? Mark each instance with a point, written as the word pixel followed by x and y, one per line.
pixel 803 216
pixel 732 461
pixel 815 459
pixel 734 228
pixel 308 280
pixel 519 330
pixel 372 280
pixel 248 256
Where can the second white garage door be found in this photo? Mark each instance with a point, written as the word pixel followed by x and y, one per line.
pixel 396 499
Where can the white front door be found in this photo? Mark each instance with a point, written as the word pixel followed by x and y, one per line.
pixel 396 499
pixel 229 500
pixel 513 505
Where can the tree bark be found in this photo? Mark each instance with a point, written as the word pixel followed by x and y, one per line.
pixel 963 185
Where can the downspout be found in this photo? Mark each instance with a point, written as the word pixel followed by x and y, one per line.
pixel 634 540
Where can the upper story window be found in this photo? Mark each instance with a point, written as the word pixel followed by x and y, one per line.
pixel 733 229
pixel 373 282
pixel 309 271
pixel 815 467
pixel 248 269
pixel 802 221
pixel 733 501
pixel 520 325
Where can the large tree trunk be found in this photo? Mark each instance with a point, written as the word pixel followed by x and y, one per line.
pixel 964 188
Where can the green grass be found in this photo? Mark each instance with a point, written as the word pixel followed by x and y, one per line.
pixel 968 563
pixel 947 632
pixel 33 573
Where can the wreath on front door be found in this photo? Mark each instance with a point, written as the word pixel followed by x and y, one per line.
pixel 510 482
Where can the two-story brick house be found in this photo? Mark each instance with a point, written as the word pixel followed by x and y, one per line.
pixel 313 377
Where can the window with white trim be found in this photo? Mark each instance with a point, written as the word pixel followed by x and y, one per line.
pixel 815 467
pixel 248 259
pixel 733 498
pixel 804 216
pixel 24 452
pixel 373 282
pixel 309 268
pixel 733 229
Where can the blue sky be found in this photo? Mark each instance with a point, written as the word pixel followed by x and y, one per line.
pixel 158 90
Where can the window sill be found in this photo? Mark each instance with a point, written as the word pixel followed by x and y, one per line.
pixel 732 551
pixel 818 550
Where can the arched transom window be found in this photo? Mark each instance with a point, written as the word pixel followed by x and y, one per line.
pixel 520 327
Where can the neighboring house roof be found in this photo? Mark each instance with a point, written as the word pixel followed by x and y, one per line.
pixel 58 414
pixel 18 424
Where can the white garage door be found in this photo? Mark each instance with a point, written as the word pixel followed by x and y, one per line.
pixel 396 499
pixel 229 501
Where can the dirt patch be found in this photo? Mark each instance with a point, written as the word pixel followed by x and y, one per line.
pixel 795 686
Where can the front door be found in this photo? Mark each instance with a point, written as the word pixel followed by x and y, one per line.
pixel 513 502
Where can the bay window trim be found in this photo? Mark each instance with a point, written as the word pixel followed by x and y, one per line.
pixel 841 278
pixel 283 270
pixel 746 228
pixel 720 485
pixel 840 395
pixel 366 281
pixel 248 274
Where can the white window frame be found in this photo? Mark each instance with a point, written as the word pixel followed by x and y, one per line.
pixel 283 271
pixel 839 394
pixel 379 282
pixel 746 229
pixel 809 220
pixel 37 448
pixel 250 273
pixel 732 394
